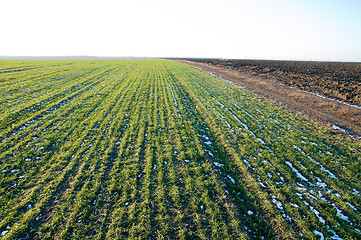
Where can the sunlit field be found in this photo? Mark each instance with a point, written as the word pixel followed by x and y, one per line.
pixel 157 149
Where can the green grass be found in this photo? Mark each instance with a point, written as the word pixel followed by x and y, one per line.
pixel 158 149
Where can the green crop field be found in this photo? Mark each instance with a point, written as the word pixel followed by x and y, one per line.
pixel 160 150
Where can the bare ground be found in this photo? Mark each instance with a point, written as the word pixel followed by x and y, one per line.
pixel 325 111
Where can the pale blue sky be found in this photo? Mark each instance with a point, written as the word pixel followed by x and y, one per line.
pixel 253 29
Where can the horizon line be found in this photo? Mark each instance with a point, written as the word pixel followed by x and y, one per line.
pixel 95 57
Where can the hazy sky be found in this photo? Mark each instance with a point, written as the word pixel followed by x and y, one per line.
pixel 261 29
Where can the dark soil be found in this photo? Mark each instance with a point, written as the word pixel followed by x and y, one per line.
pixel 281 82
pixel 336 80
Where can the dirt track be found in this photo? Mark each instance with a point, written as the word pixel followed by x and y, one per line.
pixel 327 112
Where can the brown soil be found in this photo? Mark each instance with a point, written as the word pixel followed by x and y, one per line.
pixel 272 85
pixel 336 80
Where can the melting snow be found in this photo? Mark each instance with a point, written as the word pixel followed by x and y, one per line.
pixel 329 153
pixel 354 191
pixel 312 160
pixel 218 164
pixel 232 180
pixel 311 196
pixel 320 183
pixel 340 214
pixel 296 171
pixel 278 203
pixel 319 234
pixel 209 152
pixel 335 127
pixel 175 100
pixel 330 174
pixel 317 213
pixel 265 161
pixel 351 206
pixel 335 236
pixel 299 149
pixel 219 103
pixel 295 205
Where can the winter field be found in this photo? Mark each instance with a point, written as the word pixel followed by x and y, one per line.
pixel 156 149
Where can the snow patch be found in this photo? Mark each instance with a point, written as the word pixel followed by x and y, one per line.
pixel 299 175
pixel 232 180
pixel 218 164
pixel 278 203
pixel 319 234
pixel 351 206
pixel 335 236
pixel 340 214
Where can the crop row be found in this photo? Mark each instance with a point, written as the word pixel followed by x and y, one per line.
pixel 158 149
